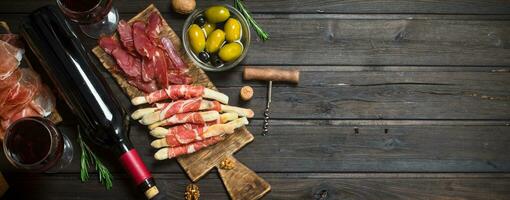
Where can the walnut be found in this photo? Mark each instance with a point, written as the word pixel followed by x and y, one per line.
pixel 227 164
pixel 192 192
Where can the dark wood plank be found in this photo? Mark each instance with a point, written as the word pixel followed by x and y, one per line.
pixel 379 95
pixel 329 41
pixel 310 6
pixel 285 186
pixel 322 146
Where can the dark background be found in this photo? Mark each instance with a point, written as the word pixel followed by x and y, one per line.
pixel 425 83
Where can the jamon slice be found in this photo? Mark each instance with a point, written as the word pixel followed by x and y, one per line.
pixel 172 152
pixel 172 53
pixel 146 87
pixel 12 39
pixel 160 132
pixel 167 110
pixel 179 77
pixel 153 27
pixel 147 70
pixel 10 58
pixel 175 92
pixel 129 64
pixel 20 94
pixel 160 68
pixel 142 43
pixel 43 102
pixel 7 84
pixel 192 117
pixel 194 135
pixel 126 36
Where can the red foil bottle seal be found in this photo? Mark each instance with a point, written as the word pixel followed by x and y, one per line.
pixel 134 166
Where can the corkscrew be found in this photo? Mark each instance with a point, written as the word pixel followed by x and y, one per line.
pixel 268 74
pixel 265 127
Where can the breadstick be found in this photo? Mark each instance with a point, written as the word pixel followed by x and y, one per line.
pixel 160 132
pixel 192 117
pixel 189 136
pixel 175 92
pixel 172 152
pixel 167 110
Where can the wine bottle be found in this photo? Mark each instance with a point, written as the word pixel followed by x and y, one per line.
pixel 60 55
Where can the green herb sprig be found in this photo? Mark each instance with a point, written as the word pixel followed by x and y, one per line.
pixel 88 158
pixel 263 35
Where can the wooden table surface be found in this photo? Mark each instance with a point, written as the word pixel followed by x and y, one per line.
pixel 425 83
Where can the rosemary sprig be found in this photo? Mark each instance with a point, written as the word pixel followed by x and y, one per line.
pixel 89 158
pixel 263 35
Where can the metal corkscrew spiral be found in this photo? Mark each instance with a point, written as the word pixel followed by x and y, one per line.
pixel 265 127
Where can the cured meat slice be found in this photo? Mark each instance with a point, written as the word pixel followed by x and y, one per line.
pixel 179 77
pixel 20 94
pixel 172 152
pixel 147 70
pixel 182 118
pixel 154 27
pixel 167 110
pixel 193 135
pixel 175 92
pixel 10 58
pixel 7 84
pixel 172 53
pixel 160 68
pixel 12 39
pixel 146 87
pixel 126 35
pixel 44 101
pixel 143 45
pixel 129 64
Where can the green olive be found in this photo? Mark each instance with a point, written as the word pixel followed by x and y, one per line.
pixel 208 28
pixel 196 38
pixel 216 14
pixel 230 52
pixel 232 30
pixel 214 41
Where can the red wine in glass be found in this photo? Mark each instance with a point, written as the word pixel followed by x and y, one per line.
pixel 34 144
pixel 96 17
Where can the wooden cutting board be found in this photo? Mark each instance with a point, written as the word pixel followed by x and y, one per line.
pixel 240 182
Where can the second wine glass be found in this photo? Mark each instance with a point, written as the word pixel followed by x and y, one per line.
pixel 96 17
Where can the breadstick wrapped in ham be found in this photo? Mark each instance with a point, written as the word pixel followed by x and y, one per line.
pixel 172 152
pixel 175 92
pixel 193 135
pixel 192 117
pixel 160 132
pixel 167 110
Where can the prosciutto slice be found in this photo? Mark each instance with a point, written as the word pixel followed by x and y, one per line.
pixel 154 27
pixel 21 93
pixel 129 64
pixel 10 58
pixel 126 36
pixel 172 53
pixel 172 152
pixel 143 45
pixel 175 92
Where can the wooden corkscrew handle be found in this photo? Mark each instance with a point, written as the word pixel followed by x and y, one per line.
pixel 271 74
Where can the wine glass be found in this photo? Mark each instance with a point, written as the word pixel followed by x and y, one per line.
pixel 96 17
pixel 34 144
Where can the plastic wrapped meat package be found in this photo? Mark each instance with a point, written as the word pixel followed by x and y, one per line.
pixel 21 92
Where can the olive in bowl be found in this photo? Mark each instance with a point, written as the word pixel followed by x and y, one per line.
pixel 216 38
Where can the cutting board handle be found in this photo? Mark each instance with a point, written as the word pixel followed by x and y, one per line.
pixel 242 183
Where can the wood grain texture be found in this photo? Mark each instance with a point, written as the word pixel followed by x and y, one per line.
pixel 242 183
pixel 311 6
pixel 327 40
pixel 372 94
pixel 285 186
